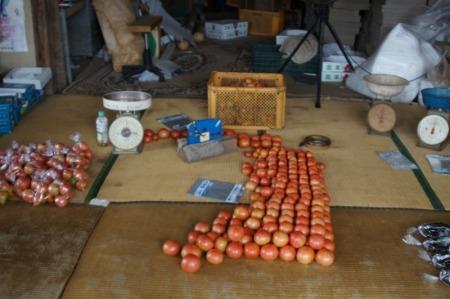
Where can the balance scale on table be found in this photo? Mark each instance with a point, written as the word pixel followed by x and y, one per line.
pixel 381 117
pixel 433 129
pixel 126 132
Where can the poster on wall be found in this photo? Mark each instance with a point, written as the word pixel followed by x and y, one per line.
pixel 13 36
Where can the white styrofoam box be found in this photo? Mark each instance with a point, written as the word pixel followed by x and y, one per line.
pixel 336 67
pixel 333 76
pixel 286 33
pixel 39 76
pixel 226 29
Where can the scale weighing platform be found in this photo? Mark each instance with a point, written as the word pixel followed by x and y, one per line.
pixel 433 129
pixel 126 132
pixel 381 117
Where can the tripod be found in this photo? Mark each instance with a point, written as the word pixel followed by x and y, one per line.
pixel 322 13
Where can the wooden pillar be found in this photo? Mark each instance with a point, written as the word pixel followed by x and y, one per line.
pixel 49 49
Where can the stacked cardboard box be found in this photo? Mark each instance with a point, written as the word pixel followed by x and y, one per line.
pixel 345 17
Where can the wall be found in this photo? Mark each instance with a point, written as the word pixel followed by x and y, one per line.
pixel 10 60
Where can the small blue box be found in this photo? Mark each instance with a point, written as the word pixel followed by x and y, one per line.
pixel 204 130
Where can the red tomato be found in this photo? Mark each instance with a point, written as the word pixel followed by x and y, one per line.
pixel 271 227
pixel 269 252
pixel 251 250
pixel 212 235
pixel 148 139
pixel 214 256
pixel 171 248
pixel 148 132
pixel 241 212
pixel 218 228
pixel 243 142
pixel 253 223
pixel 191 263
pixel 318 229
pixel 316 241
pixel 257 213
pixel 325 257
pixel 221 243
pixel 229 132
pixel 268 218
pixel 192 237
pixel 234 250
pixel 175 134
pixel 304 229
pixel 262 237
pixel 247 170
pixel 163 133
pixel 220 221
pixel 329 245
pixel 235 232
pixel 305 255
pixel 286 227
pixel 287 253
pixel 280 238
pixel 297 239
pixel 191 249
pixel 202 227
pixel 235 221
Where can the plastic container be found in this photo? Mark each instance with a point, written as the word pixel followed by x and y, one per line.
pixel 436 98
pixel 38 76
pixel 101 125
pixel 250 108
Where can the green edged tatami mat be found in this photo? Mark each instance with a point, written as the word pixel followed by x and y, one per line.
pixel 409 116
pixel 40 247
pixel 123 259
pixel 355 175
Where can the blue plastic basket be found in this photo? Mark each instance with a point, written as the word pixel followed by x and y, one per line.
pixel 436 98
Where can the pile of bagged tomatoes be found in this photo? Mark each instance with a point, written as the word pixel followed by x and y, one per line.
pixel 288 217
pixel 45 172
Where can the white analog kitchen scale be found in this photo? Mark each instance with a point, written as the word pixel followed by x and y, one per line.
pixel 433 129
pixel 126 132
pixel 381 117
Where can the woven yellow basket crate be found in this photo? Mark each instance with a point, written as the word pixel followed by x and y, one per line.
pixel 247 100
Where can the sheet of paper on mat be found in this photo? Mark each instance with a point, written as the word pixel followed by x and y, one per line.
pixel 396 160
pixel 439 163
pixel 228 192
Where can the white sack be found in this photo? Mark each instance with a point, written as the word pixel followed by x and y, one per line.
pixel 402 53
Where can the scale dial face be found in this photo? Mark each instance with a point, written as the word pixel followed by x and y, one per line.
pixel 381 118
pixel 126 132
pixel 433 129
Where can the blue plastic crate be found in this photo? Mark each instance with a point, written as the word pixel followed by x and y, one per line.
pixel 13 104
pixel 9 113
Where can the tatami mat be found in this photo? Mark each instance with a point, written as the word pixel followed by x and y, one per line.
pixel 123 259
pixel 40 247
pixel 55 119
pixel 356 176
pixel 409 116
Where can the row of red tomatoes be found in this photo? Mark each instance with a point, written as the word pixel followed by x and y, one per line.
pixel 288 217
pixel 163 133
pixel 44 173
